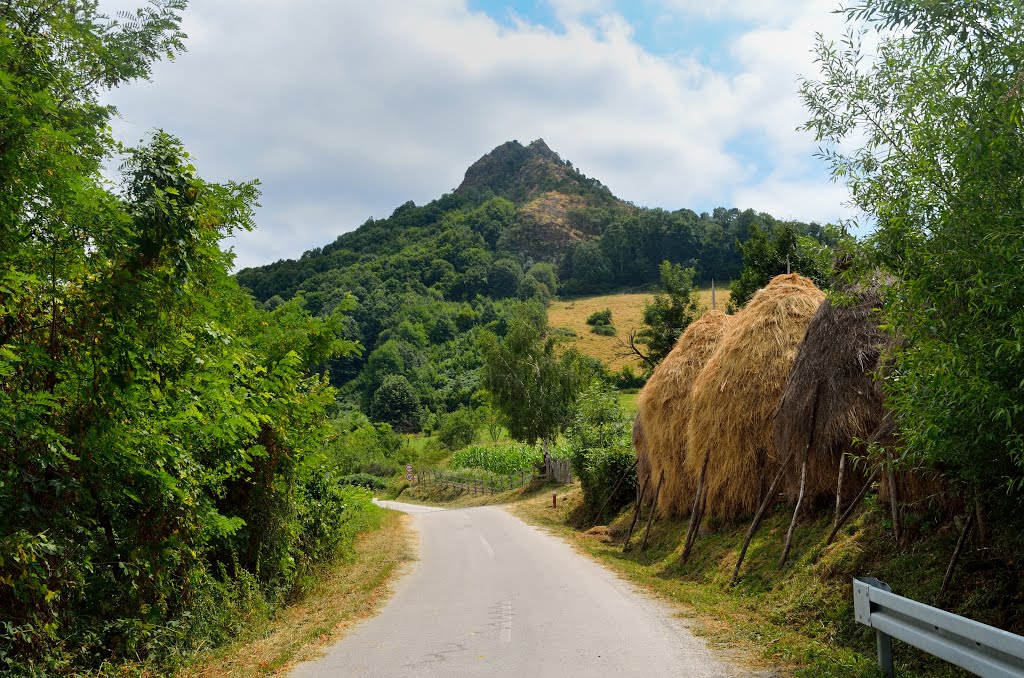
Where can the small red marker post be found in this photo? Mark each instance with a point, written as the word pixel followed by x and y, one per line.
pixel 554 500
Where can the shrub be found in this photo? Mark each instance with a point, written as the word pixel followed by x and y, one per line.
pixel 603 330
pixel 599 445
pixel 598 318
pixel 458 429
pixel 364 480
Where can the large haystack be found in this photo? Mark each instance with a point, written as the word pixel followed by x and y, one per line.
pixel 735 396
pixel 835 366
pixel 664 409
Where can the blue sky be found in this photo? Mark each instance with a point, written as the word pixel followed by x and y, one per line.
pixel 345 110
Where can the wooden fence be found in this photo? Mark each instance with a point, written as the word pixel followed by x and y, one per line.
pixel 560 470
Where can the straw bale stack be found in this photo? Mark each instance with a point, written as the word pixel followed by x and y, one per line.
pixel 664 409
pixel 735 396
pixel 836 365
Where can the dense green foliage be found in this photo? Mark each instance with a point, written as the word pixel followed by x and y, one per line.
pixel 600 446
pixel 459 428
pixel 161 437
pixel 938 116
pixel 772 251
pixel 500 459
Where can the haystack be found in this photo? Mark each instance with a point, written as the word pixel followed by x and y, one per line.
pixel 734 397
pixel 664 409
pixel 835 365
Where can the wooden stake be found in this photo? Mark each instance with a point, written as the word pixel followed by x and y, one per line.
pixel 636 513
pixel 756 523
pixel 803 476
pixel 654 509
pixel 713 305
pixel 697 512
pixel 894 500
pixel 839 490
pixel 956 554
pixel 614 490
pixel 796 509
pixel 695 521
pixel 849 511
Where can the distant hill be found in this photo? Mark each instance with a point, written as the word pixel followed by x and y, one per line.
pixel 420 285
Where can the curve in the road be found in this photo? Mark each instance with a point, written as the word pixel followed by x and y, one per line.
pixel 492 596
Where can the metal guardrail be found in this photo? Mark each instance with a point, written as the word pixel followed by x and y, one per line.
pixel 981 649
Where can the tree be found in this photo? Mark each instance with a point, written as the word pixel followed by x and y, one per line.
pixel 667 316
pixel 530 384
pixel 937 117
pixel 395 402
pixel 773 250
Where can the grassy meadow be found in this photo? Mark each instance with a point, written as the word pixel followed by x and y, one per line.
pixel 627 315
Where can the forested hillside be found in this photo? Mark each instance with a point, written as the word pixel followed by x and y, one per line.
pixel 523 225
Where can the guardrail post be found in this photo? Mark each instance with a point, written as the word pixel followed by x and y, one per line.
pixel 884 643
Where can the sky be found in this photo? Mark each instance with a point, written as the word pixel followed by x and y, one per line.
pixel 346 109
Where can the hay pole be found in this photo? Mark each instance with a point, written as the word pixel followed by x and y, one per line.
pixel 614 490
pixel 756 523
pixel 893 499
pixel 636 514
pixel 853 504
pixel 803 477
pixel 654 509
pixel 697 512
pixel 956 555
pixel 839 489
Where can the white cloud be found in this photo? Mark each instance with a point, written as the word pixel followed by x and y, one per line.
pixel 346 110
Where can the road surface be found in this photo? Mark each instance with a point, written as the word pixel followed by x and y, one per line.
pixel 492 596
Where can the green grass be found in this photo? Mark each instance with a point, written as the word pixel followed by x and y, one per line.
pixel 628 402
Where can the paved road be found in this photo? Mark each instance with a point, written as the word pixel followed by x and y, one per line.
pixel 492 596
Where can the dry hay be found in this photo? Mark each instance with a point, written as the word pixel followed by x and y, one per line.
pixel 735 396
pixel 834 371
pixel 664 409
pixel 643 464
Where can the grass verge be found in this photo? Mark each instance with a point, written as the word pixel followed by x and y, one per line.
pixel 347 593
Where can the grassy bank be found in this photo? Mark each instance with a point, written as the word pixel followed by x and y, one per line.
pixel 345 594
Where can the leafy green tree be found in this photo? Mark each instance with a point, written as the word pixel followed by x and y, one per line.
pixel 395 402
pixel 773 250
pixel 459 428
pixel 938 163
pixel 546 274
pixel 530 384
pixel 667 316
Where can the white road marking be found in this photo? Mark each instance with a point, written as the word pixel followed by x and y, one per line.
pixel 487 547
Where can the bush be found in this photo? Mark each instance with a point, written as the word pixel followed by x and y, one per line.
pixel 603 330
pixel 458 429
pixel 599 318
pixel 600 447
pixel 500 459
pixel 364 480
pixel 627 379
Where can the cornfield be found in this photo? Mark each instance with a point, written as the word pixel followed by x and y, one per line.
pixel 501 459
